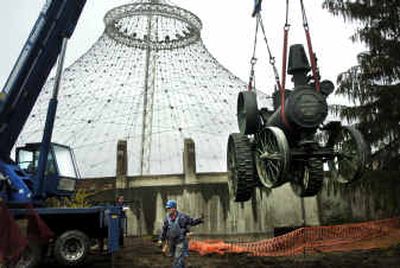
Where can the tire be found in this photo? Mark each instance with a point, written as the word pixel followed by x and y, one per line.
pixel 72 248
pixel 30 257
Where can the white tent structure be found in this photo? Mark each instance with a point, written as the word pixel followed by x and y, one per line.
pixel 149 80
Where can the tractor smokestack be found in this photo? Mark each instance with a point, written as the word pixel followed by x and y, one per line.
pixel 298 65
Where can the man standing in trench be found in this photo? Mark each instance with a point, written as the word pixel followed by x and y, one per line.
pixel 175 228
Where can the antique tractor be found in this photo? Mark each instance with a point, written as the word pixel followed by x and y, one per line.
pixel 291 143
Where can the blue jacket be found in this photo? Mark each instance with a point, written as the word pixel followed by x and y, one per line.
pixel 184 222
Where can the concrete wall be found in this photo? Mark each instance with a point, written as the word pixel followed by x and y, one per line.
pixel 202 193
pixel 279 208
pixel 375 196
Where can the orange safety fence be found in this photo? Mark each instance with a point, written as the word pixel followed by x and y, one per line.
pixel 308 240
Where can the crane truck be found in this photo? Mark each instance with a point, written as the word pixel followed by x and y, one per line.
pixel 44 170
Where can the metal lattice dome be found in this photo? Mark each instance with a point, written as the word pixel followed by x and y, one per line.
pixel 150 80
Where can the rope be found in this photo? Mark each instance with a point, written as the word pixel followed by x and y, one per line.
pixel 310 49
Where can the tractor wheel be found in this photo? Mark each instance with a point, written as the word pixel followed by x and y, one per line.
pixel 71 248
pixel 247 113
pixel 350 155
pixel 30 257
pixel 240 167
pixel 272 157
pixel 307 179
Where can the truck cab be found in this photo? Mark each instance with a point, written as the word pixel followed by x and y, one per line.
pixel 61 171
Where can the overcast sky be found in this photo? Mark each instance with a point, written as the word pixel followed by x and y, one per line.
pixel 228 33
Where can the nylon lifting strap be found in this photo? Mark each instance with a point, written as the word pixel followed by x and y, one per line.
pixel 310 49
pixel 284 64
pixel 278 83
pixel 285 45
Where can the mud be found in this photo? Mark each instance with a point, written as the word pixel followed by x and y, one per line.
pixel 143 253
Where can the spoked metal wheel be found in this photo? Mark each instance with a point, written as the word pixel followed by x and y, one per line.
pixel 247 112
pixel 240 167
pixel 307 177
pixel 272 157
pixel 350 155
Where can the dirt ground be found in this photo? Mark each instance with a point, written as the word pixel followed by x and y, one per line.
pixel 144 253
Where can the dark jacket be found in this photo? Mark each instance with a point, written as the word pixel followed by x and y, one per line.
pixel 184 222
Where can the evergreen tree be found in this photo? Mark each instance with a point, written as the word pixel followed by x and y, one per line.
pixel 373 86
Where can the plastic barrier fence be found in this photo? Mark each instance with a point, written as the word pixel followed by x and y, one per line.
pixel 309 240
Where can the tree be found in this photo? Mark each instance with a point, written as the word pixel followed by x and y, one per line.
pixel 373 86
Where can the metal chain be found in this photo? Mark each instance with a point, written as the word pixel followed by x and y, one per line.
pixel 313 60
pixel 252 81
pixel 285 45
pixel 284 64
pixel 271 58
pixel 304 15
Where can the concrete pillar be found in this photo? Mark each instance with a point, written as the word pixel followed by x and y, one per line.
pixel 189 161
pixel 122 165
pixel 160 214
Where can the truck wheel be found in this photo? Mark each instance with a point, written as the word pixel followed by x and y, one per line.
pixel 71 248
pixel 30 257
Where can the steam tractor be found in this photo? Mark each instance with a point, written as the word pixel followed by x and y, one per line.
pixel 291 143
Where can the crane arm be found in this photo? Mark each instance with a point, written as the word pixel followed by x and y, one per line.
pixel 56 21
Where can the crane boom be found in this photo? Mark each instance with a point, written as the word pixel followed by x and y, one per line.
pixel 56 21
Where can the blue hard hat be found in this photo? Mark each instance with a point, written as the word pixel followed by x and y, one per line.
pixel 170 204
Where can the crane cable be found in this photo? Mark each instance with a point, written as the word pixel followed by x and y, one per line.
pixel 314 68
pixel 271 58
pixel 276 74
pixel 284 65
pixel 285 45
pixel 281 85
pixel 252 81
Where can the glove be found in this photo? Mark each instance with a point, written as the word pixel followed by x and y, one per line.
pixel 165 249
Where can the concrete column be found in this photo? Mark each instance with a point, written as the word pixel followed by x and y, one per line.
pixel 160 214
pixel 189 161
pixel 122 165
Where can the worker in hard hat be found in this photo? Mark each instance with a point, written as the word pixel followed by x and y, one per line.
pixel 174 231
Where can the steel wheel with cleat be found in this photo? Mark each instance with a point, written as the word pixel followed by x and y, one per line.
pixel 240 167
pixel 247 112
pixel 307 177
pixel 350 155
